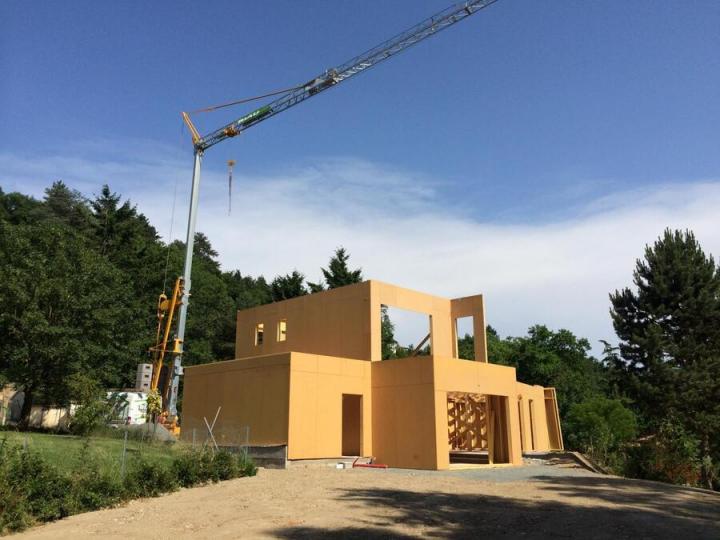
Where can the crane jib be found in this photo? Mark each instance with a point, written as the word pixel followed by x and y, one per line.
pixel 356 65
pixel 254 115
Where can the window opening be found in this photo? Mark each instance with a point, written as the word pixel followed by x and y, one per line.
pixel 404 333
pixel 465 338
pixel 282 330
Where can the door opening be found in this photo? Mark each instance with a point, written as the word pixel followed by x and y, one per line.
pixel 532 424
pixel 478 428
pixel 521 421
pixel 351 425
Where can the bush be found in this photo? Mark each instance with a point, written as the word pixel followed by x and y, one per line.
pixel 197 467
pixel 92 487
pixel 246 466
pixel 32 490
pixel 14 514
pixel 149 480
pixel 599 427
pixel 671 455
pixel 94 408
pixel 39 483
pixel 224 466
pixel 193 467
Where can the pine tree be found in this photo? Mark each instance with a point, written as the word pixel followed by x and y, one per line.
pixel 67 206
pixel 669 328
pixel 337 274
pixel 387 335
pixel 288 286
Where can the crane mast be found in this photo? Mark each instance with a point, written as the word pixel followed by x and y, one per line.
pixel 294 96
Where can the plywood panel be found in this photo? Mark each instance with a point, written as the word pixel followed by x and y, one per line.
pixel 334 323
pixel 252 394
pixel 404 413
pixel 317 386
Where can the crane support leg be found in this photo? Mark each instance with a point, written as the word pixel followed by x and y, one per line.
pixel 171 399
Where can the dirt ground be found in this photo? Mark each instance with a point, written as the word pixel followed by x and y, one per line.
pixel 540 501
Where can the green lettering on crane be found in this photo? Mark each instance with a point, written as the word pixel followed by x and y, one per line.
pixel 255 115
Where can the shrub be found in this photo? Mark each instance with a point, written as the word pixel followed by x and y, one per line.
pixel 600 426
pixel 246 466
pixel 671 455
pixel 193 467
pixel 14 513
pixel 32 490
pixel 92 486
pixel 196 467
pixel 224 466
pixel 39 483
pixel 94 408
pixel 149 480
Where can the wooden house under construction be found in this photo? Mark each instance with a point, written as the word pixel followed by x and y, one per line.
pixel 309 377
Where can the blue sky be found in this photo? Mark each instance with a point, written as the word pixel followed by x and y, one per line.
pixel 529 124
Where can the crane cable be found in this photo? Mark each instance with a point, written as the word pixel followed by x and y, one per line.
pixel 245 100
pixel 172 223
pixel 211 109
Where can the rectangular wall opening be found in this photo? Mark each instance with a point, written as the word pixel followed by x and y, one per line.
pixel 404 333
pixel 351 425
pixel 521 420
pixel 531 407
pixel 282 330
pixel 464 338
pixel 553 420
pixel 259 333
pixel 478 428
pixel 467 428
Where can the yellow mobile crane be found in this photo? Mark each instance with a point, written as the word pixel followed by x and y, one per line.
pixel 287 99
pixel 166 309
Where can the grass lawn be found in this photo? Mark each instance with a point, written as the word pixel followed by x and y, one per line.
pixel 65 451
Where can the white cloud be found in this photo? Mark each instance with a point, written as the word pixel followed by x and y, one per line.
pixel 558 273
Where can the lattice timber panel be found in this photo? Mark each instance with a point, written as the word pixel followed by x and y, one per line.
pixel 467 421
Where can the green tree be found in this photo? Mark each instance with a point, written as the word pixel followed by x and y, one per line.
pixel 17 208
pixel 209 334
pixel 66 206
pixel 500 351
pixel 669 455
pixel 599 426
pixel 94 408
pixel 668 358
pixel 558 359
pixel 387 335
pixel 125 238
pixel 63 311
pixel 247 291
pixel 337 274
pixel 288 286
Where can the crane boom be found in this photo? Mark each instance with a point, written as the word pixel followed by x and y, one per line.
pixel 292 97
pixel 354 66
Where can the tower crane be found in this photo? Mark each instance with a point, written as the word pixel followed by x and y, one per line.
pixel 287 99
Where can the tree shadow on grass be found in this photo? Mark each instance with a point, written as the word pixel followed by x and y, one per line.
pixel 647 512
